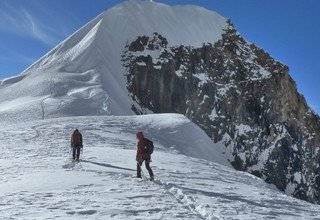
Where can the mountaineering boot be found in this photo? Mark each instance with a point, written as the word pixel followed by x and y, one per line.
pixel 151 178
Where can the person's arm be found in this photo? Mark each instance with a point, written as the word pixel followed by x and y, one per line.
pixel 139 147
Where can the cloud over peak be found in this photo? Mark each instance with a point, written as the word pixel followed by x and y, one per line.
pixel 27 22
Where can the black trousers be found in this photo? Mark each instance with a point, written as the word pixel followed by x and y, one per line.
pixel 139 164
pixel 76 152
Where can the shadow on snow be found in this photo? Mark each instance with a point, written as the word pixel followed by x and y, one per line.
pixel 107 165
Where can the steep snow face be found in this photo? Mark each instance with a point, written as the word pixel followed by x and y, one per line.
pixel 39 181
pixel 84 75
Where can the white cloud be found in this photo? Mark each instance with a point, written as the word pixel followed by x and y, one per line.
pixel 38 30
pixel 21 21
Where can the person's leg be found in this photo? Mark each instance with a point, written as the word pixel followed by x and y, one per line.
pixel 78 153
pixel 73 153
pixel 139 169
pixel 149 168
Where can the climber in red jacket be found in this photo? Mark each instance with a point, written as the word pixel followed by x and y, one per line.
pixel 143 155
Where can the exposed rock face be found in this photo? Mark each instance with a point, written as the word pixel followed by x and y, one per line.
pixel 241 97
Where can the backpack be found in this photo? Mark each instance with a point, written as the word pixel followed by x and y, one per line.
pixel 150 146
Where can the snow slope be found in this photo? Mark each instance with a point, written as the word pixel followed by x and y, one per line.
pixel 84 75
pixel 39 181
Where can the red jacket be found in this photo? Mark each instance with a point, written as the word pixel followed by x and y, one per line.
pixel 76 139
pixel 142 151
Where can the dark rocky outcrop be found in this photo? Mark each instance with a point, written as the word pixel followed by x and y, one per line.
pixel 240 96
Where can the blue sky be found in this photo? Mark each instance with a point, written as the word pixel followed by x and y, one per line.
pixel 287 29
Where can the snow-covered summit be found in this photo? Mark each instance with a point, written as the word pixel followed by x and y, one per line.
pixel 110 31
pixel 181 25
pixel 84 75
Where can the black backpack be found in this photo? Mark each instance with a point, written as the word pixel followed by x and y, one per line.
pixel 150 146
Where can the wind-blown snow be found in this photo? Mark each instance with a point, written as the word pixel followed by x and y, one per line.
pixel 39 181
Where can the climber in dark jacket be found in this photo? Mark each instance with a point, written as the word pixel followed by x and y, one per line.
pixel 76 144
pixel 143 155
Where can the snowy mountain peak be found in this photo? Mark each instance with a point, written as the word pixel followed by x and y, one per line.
pixel 181 25
pixel 84 75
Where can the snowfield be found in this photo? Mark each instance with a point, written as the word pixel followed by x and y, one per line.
pixel 39 180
